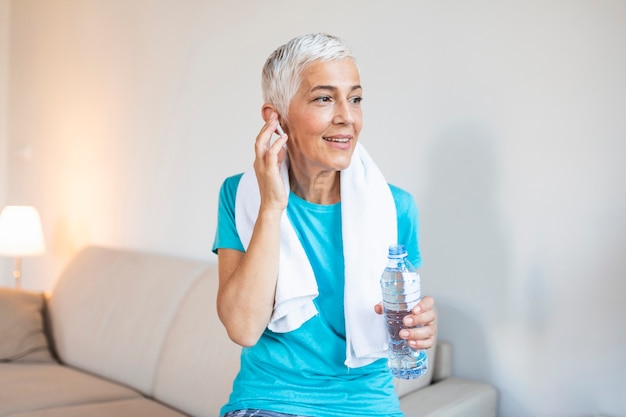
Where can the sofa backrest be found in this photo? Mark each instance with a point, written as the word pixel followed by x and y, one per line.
pixel 147 321
pixel 198 362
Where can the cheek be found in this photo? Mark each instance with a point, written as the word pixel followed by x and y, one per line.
pixel 358 120
pixel 307 126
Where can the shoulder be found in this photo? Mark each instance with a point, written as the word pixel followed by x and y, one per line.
pixel 403 199
pixel 408 222
pixel 399 192
pixel 229 186
pixel 232 181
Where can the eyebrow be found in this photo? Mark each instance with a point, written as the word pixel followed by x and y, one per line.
pixel 333 88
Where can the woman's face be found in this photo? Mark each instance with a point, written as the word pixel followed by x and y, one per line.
pixel 324 119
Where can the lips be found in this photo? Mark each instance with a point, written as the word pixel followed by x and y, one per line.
pixel 337 139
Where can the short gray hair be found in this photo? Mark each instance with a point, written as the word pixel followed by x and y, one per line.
pixel 283 69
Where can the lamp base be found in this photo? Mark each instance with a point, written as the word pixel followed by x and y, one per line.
pixel 17 272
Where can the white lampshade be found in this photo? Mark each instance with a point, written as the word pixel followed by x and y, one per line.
pixel 20 232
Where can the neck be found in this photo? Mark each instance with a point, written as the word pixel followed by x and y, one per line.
pixel 323 188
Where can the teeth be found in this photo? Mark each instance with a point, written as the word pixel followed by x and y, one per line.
pixel 337 140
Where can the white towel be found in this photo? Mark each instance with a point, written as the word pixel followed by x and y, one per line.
pixel 369 227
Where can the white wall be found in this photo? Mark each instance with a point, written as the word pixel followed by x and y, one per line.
pixel 505 119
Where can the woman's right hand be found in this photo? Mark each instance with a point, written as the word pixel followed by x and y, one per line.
pixel 267 166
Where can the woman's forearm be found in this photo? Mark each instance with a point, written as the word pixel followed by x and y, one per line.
pixel 247 287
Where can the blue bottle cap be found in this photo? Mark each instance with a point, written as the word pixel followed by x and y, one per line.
pixel 397 251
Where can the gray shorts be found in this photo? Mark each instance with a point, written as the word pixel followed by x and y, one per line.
pixel 257 413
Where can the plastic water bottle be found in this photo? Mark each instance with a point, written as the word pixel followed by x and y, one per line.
pixel 400 284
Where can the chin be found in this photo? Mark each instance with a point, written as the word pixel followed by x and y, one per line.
pixel 341 165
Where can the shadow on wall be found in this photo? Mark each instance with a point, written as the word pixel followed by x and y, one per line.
pixel 465 252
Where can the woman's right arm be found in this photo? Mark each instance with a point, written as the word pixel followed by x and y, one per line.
pixel 247 280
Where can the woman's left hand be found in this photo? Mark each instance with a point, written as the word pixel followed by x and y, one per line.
pixel 422 337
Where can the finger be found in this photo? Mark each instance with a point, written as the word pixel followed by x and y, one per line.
pixel 278 144
pixel 378 308
pixel 420 319
pixel 265 135
pixel 421 337
pixel 418 333
pixel 426 303
pixel 422 344
pixel 282 152
pixel 422 313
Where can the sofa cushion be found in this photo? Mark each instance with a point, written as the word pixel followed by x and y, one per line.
pixel 452 397
pixel 22 327
pixel 30 386
pixel 134 407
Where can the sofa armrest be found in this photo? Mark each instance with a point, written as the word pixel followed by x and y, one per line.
pixel 452 397
pixel 442 368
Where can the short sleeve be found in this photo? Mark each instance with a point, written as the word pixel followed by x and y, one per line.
pixel 226 236
pixel 408 223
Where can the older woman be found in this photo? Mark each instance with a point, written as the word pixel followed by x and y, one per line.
pixel 301 244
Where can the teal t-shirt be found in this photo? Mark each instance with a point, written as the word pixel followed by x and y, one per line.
pixel 302 372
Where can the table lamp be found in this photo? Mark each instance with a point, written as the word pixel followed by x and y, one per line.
pixel 20 235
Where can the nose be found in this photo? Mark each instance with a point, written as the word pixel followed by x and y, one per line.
pixel 344 113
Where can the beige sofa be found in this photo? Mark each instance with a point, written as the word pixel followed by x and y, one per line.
pixel 129 334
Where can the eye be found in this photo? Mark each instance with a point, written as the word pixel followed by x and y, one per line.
pixel 356 99
pixel 323 99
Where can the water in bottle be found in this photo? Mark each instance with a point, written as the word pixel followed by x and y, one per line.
pixel 400 284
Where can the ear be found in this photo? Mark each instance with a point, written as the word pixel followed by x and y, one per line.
pixel 266 111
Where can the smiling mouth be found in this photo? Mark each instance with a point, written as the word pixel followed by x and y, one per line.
pixel 337 140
